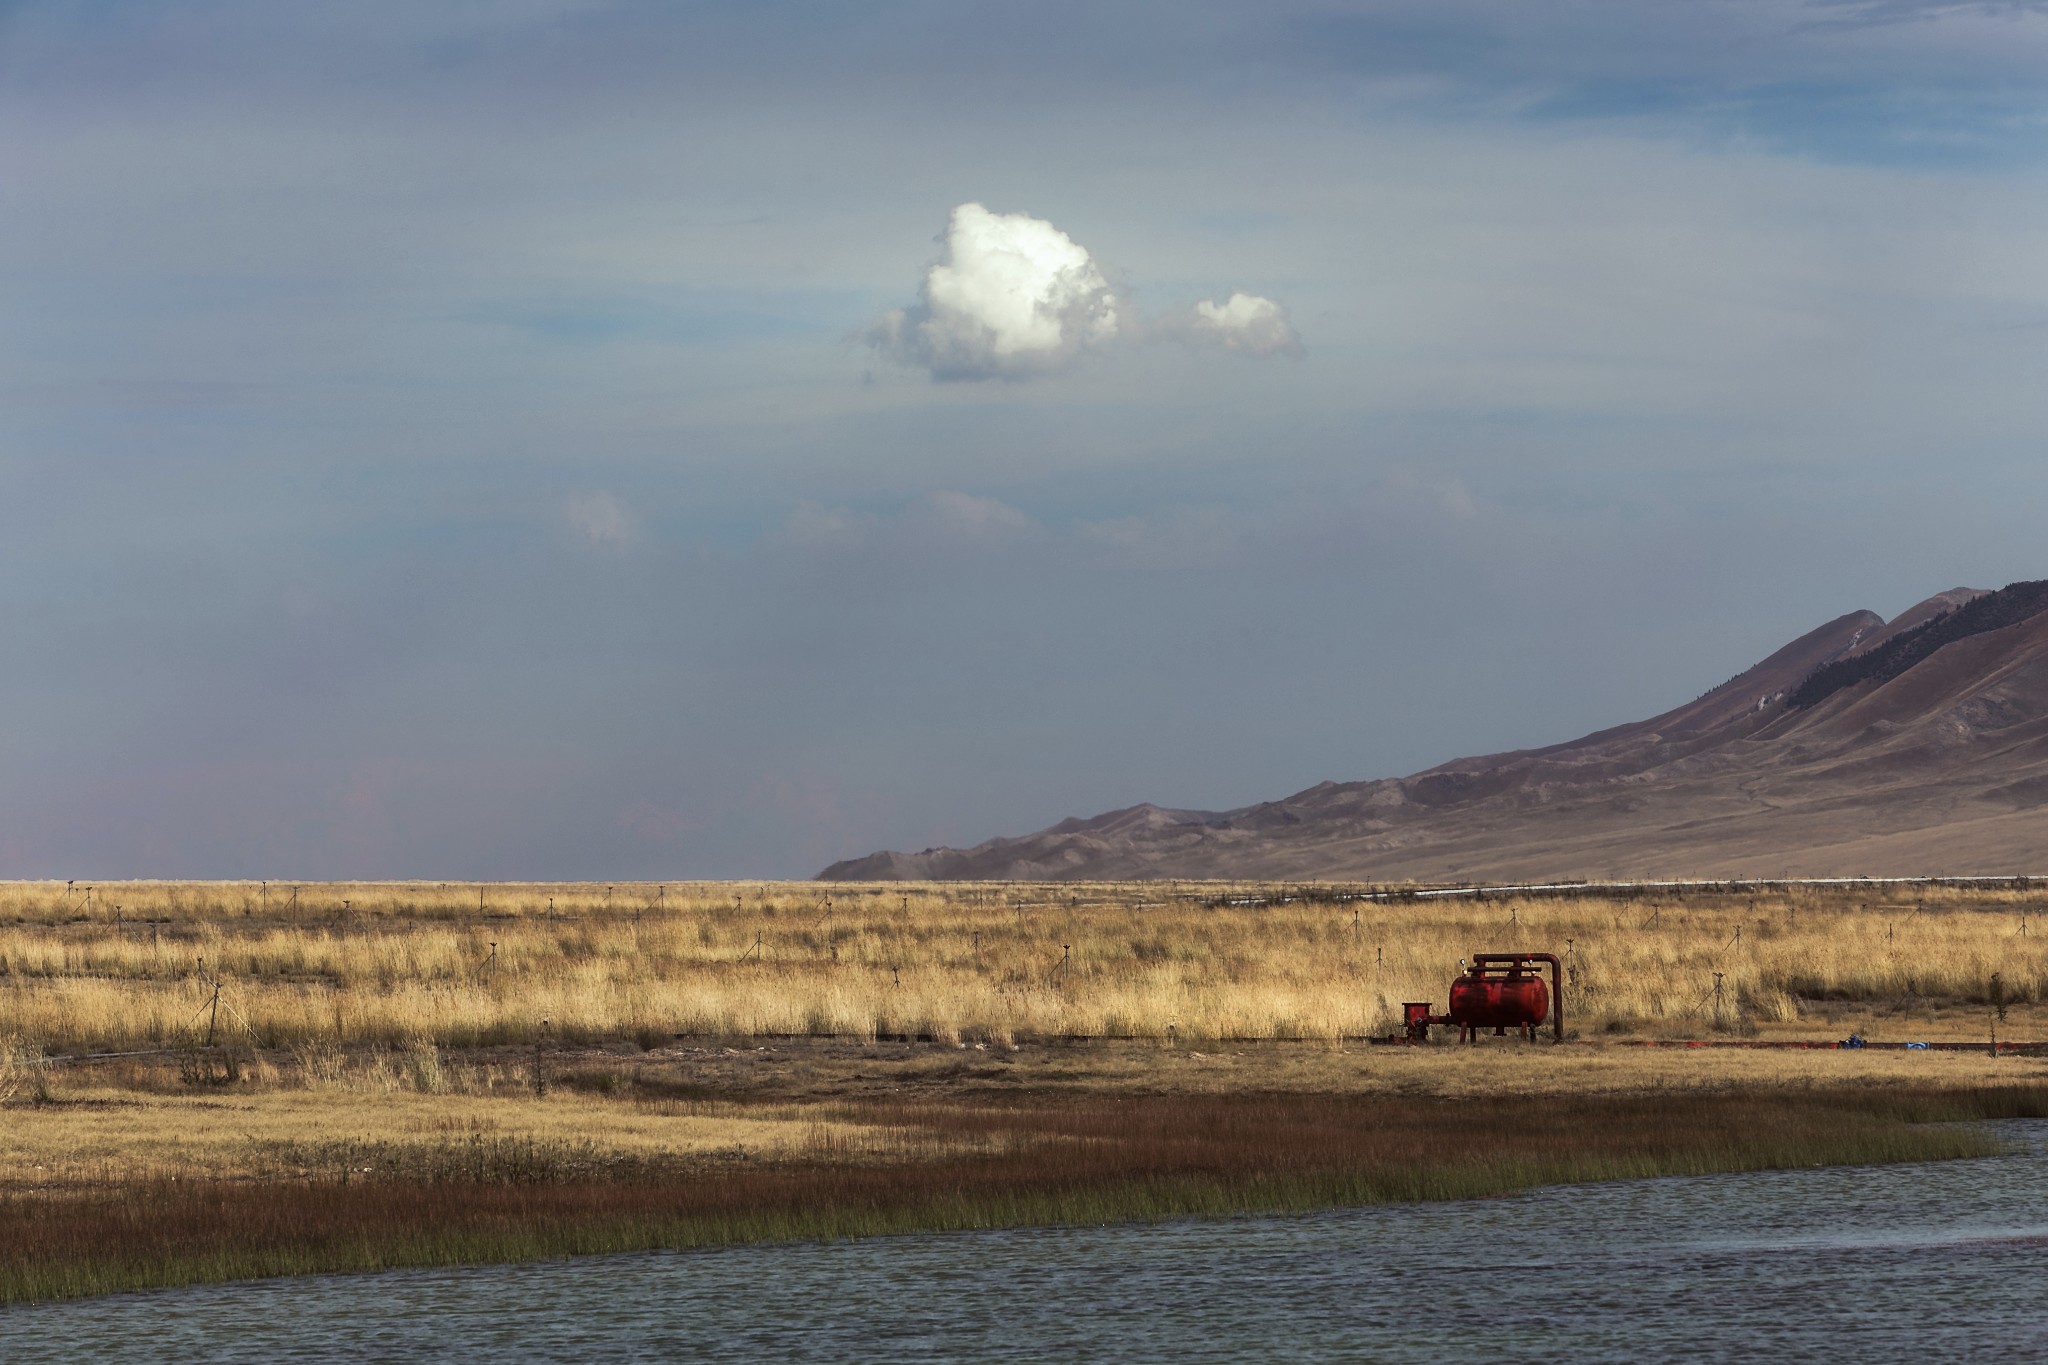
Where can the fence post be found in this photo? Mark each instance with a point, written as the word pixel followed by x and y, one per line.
pixel 1997 1008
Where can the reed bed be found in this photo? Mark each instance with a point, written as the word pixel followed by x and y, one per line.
pixel 115 966
pixel 1081 1160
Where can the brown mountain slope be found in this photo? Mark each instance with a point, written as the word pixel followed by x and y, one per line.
pixel 1925 752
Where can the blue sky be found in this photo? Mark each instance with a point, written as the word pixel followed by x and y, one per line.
pixel 447 440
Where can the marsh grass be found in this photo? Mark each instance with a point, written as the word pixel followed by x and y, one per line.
pixel 1075 1160
pixel 474 1159
pixel 412 966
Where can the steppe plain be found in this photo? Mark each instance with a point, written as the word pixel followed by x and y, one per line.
pixel 208 1081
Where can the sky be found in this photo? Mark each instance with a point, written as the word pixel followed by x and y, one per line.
pixel 575 439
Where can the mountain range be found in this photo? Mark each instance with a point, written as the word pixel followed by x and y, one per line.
pixel 1862 748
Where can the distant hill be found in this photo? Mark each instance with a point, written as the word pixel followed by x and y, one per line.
pixel 1861 748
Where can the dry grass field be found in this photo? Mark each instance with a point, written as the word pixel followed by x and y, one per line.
pixel 407 1074
pixel 134 965
pixel 139 1172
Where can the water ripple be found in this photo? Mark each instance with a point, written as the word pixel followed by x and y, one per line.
pixel 1921 1263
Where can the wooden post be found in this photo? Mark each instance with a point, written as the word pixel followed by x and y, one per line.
pixel 1997 1008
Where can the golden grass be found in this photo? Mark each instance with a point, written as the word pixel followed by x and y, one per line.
pixel 132 965
pixel 159 1118
pixel 235 1161
pixel 718 1069
pixel 100 1134
pixel 343 1204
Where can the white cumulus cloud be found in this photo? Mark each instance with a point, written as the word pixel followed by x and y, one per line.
pixel 1013 297
pixel 1244 322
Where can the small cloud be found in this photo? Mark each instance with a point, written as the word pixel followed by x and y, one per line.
pixel 934 521
pixel 1250 323
pixel 965 516
pixel 1013 297
pixel 602 519
pixel 1172 539
pixel 814 526
pixel 1443 496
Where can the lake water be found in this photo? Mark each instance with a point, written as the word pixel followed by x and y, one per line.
pixel 1924 1263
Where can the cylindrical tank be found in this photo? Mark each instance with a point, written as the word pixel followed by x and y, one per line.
pixel 1513 1001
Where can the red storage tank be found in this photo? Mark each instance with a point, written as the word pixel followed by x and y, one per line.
pixel 1503 991
pixel 1499 1002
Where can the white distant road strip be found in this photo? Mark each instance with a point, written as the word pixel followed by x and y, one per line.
pixel 1718 884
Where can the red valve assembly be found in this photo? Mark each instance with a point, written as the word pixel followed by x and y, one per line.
pixel 1499 991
